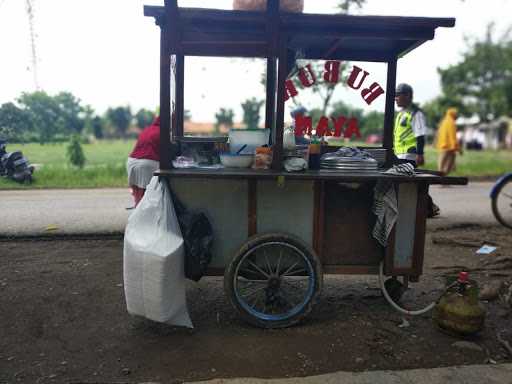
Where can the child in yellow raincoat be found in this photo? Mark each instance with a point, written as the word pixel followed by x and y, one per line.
pixel 447 143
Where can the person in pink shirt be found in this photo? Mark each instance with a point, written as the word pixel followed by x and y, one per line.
pixel 144 160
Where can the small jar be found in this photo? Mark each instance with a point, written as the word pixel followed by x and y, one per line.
pixel 262 158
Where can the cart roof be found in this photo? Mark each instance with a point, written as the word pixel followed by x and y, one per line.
pixel 211 32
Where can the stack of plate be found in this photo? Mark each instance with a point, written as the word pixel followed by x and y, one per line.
pixel 298 151
pixel 348 164
pixel 378 154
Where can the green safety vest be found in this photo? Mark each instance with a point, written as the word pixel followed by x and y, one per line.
pixel 404 137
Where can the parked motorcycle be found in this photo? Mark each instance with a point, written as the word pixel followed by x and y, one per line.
pixel 501 200
pixel 14 165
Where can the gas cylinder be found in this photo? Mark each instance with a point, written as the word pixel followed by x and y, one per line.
pixel 458 311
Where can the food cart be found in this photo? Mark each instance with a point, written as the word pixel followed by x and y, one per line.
pixel 276 232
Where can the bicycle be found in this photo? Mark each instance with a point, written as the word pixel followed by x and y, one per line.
pixel 501 200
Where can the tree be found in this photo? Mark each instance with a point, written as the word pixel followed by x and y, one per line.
pixel 435 109
pixel 342 109
pixel 251 108
pixel 120 118
pixel 369 122
pixel 44 113
pixel 144 117
pixel 224 118
pixel 75 153
pixel 14 122
pixel 88 115
pixel 97 127
pixel 482 82
pixel 51 115
pixel 71 113
pixel 372 123
pixel 346 5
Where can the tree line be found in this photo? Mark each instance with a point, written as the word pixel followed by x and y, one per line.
pixel 40 117
pixel 480 84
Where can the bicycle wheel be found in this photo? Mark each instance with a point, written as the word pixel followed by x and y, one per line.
pixel 502 203
pixel 273 281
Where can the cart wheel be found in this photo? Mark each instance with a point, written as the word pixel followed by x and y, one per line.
pixel 274 280
pixel 502 204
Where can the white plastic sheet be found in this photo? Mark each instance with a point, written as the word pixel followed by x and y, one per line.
pixel 154 277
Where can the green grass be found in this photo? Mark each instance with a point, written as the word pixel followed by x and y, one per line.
pixel 105 166
pixel 476 163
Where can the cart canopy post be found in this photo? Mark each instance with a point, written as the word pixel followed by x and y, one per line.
pixel 389 113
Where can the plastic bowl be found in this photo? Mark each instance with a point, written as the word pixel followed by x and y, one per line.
pixel 230 160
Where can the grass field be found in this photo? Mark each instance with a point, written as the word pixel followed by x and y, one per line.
pixel 476 163
pixel 105 166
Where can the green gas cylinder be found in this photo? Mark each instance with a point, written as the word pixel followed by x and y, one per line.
pixel 458 311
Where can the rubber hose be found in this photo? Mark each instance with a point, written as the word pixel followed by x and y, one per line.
pixel 395 305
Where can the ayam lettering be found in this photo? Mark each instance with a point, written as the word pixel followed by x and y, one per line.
pixel 331 75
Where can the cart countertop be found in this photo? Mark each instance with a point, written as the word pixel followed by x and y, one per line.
pixel 233 173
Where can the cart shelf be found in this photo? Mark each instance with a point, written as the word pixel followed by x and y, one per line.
pixel 228 173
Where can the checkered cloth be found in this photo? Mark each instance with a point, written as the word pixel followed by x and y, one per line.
pixel 405 169
pixel 385 207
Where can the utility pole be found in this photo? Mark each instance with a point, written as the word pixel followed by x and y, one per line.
pixel 30 14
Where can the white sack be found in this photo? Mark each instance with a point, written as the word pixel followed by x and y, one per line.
pixel 154 276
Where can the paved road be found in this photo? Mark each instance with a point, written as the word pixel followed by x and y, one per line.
pixel 64 211
pixel 89 211
pixel 463 204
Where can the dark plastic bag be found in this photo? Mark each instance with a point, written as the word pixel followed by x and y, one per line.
pixel 197 234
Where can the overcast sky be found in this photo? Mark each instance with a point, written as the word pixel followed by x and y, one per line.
pixel 107 53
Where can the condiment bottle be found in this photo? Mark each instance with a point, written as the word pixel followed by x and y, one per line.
pixel 315 152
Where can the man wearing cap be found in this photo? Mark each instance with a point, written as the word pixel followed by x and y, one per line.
pixel 409 134
pixel 410 127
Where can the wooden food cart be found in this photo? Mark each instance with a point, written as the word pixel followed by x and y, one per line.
pixel 276 233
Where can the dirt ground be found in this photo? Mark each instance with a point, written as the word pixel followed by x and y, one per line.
pixel 63 319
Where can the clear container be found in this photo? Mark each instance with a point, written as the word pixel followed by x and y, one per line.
pixel 252 138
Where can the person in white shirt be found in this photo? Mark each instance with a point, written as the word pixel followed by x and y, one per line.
pixel 410 127
pixel 409 134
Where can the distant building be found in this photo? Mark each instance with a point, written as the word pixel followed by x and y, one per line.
pixel 496 134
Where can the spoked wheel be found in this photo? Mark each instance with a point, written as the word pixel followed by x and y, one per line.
pixel 274 280
pixel 502 204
